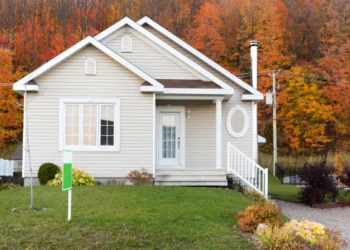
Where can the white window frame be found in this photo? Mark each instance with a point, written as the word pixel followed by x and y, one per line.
pixel 86 72
pixel 122 44
pixel 82 102
pixel 245 128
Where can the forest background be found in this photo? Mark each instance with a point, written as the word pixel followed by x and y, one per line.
pixel 308 41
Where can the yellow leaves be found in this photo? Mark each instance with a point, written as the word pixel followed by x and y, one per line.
pixel 305 109
pixel 79 179
pixel 309 231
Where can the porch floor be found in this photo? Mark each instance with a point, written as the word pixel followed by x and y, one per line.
pixel 190 177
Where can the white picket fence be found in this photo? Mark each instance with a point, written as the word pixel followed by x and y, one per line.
pixel 6 167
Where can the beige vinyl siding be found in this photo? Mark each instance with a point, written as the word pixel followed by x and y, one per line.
pixel 245 143
pixel 191 56
pixel 112 81
pixel 151 58
pixel 200 131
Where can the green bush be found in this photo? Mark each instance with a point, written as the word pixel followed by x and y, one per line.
pixel 47 172
pixel 79 179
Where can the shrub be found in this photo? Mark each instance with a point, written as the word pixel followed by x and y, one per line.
pixel 345 176
pixel 79 179
pixel 140 177
pixel 299 235
pixel 330 241
pixel 284 238
pixel 319 183
pixel 261 212
pixel 252 194
pixel 47 171
pixel 8 186
pixel 311 232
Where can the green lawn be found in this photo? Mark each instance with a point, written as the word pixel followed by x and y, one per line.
pixel 124 217
pixel 286 192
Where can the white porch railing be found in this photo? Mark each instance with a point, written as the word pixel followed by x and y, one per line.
pixel 247 170
pixel 6 167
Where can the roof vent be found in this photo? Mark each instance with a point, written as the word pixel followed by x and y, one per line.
pixel 126 44
pixel 90 67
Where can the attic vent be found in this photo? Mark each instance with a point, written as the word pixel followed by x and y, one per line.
pixel 90 67
pixel 126 44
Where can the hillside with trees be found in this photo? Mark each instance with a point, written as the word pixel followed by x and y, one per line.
pixel 307 40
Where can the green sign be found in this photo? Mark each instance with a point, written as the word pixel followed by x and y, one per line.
pixel 67 170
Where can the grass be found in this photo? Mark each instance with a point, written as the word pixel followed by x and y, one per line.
pixel 285 192
pixel 266 160
pixel 124 217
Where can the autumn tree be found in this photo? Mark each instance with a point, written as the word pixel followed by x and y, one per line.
pixel 10 109
pixel 304 112
pixel 206 31
pixel 334 65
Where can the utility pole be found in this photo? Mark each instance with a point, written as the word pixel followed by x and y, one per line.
pixel 274 107
pixel 274 124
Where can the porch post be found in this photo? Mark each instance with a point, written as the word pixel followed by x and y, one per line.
pixel 218 134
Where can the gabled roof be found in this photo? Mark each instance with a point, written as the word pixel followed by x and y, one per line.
pixel 165 46
pixel 25 83
pixel 198 54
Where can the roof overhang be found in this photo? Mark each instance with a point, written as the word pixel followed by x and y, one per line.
pixel 21 86
pixel 190 97
pixel 194 94
pixel 251 97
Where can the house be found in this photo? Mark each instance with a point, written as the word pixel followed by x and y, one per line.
pixel 136 96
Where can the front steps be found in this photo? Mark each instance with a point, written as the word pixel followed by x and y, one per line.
pixel 191 177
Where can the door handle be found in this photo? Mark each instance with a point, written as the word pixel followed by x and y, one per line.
pixel 178 143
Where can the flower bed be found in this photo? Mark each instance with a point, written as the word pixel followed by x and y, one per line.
pixel 264 219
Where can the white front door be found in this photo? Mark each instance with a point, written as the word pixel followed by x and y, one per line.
pixel 169 139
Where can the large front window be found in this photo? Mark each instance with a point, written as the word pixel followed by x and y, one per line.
pixel 90 125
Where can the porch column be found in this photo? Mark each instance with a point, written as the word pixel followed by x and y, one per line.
pixel 218 133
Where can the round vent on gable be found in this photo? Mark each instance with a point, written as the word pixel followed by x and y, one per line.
pixel 90 67
pixel 237 121
pixel 126 44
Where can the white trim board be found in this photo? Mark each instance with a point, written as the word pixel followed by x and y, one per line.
pixel 18 86
pixel 156 26
pixel 162 44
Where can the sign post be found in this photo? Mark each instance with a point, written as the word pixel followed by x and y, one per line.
pixel 67 173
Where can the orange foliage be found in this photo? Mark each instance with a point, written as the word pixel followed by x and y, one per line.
pixel 291 34
pixel 206 32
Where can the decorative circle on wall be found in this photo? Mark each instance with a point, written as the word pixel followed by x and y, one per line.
pixel 237 121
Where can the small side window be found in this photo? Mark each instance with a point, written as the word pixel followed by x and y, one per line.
pixel 90 67
pixel 126 44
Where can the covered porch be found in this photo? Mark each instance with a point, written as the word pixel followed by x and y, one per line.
pixel 188 140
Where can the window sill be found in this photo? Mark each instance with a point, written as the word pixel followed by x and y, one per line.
pixel 91 149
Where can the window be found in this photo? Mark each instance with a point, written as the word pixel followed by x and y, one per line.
pixel 90 125
pixel 90 67
pixel 126 44
pixel 237 121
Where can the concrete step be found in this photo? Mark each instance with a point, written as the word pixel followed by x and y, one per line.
pixel 192 178
pixel 191 183
pixel 186 172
